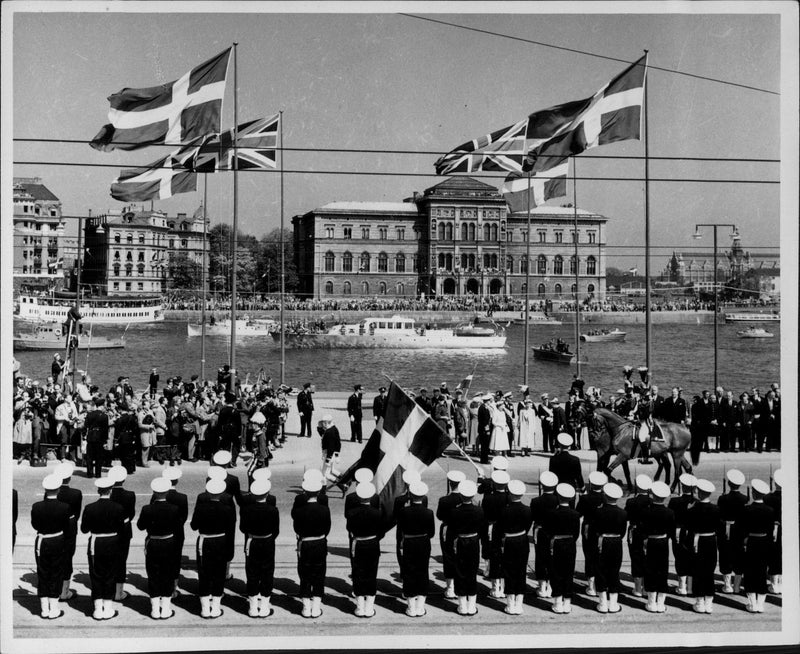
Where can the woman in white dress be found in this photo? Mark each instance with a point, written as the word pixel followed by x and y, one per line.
pixel 499 443
pixel 474 403
pixel 529 428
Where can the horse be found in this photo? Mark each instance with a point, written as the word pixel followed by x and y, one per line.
pixel 611 434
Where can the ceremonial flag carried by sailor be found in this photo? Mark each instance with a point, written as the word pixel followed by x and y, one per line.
pixel 171 114
pixel 256 147
pixel 465 383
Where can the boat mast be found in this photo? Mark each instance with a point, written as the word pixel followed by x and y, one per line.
pixel 232 361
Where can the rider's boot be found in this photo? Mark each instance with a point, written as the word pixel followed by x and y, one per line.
pixel 645 453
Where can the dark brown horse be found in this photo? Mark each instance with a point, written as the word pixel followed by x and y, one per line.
pixel 610 434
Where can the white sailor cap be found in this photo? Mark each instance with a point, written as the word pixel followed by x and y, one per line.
pixel 544 396
pixel 312 485
pixel 222 457
pixel 548 479
pixel 467 488
pixel 612 491
pixel 597 478
pixel 687 480
pixel 418 489
pixel 659 489
pixel 365 490
pixel 759 486
pixel 260 487
pixel 51 482
pixel 117 473
pixel 64 469
pixel 500 477
pixel 735 477
pixel 160 485
pixel 705 486
pixel 215 486
pixel 327 418
pixel 564 439
pixel 566 491
pixel 486 397
pixel 644 482
pixel 456 476
pixel 262 474
pixel 777 477
pixel 313 473
pixel 364 474
pixel 258 418
pixel 507 395
pixel 499 462
pixel 104 482
pixel 172 473
pixel 215 472
pixel 516 487
pixel 410 476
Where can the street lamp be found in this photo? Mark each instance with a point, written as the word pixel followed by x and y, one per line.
pixel 698 235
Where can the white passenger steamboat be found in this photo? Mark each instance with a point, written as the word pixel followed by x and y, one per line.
pixel 102 310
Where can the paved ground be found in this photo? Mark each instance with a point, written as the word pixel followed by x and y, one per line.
pixel 288 466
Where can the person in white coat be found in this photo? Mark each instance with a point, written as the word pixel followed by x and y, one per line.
pixel 529 428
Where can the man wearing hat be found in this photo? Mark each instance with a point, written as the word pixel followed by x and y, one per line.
pixel 259 474
pixel 657 526
pixel 228 497
pixel 126 436
pixel 484 435
pixel 213 520
pixel 635 508
pixel 465 530
pixel 563 526
pixel 704 527
pixel 355 413
pixel 423 400
pixel 50 519
pixel 681 549
pixel 160 519
pixel 312 524
pixel 301 499
pixel 229 426
pixel 545 413
pixel 730 542
pixel 365 529
pixel 103 520
pixel 415 526
pixel 492 505
pixel 566 466
pixel 96 429
pixel 180 500
pixel 607 529
pixel 305 406
pixel 260 524
pixel 541 507
pixel 403 499
pixel 511 540
pixel 443 510
pixel 233 487
pixel 775 568
pixel 73 498
pixel 127 500
pixel 587 506
pixel 330 442
pixel 379 404
pixel 352 500
pixel 756 525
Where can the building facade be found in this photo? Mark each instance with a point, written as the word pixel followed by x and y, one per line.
pixel 38 232
pixel 455 239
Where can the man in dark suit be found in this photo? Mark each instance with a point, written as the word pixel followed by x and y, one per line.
pixel 545 413
pixel 725 421
pixel 559 419
pixel 769 433
pixel 305 405
pixel 379 404
pixel 485 427
pixel 673 409
pixel 566 466
pixel 355 413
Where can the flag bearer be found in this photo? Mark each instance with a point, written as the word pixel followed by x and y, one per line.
pixel 312 524
pixel 540 508
pixel 775 568
pixel 103 520
pixel 365 526
pixel 173 496
pixel 50 518
pixel 730 543
pixel 587 505
pixel 511 535
pixel 704 527
pixel 446 505
pixel 74 499
pixel 127 500
pixel 608 528
pixel 492 505
pixel 657 528
pixel 465 530
pixel 756 525
pixel 260 524
pixel 403 499
pixel 416 527
pixel 161 520
pixel 213 519
pixel 681 544
pixel 635 507
pixel 563 526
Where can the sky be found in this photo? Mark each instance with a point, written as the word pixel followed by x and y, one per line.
pixel 386 81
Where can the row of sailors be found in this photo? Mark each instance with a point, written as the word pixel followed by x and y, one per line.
pixel 746 535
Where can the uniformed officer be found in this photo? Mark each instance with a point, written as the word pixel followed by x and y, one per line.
pixel 301 499
pixel 161 520
pixel 492 505
pixel 465 530
pixel 227 497
pixel 587 505
pixel 223 459
pixel 127 500
pixel 213 519
pixel 511 536
pixel 608 527
pixel 446 505
pixel 634 507
pixel 566 466
pixel 312 524
pixel 401 500
pixel 755 525
pixel 563 526
pixel 730 542
pixel 173 496
pixel 74 499
pixel 540 507
pixel 775 568
pixel 485 485
pixel 365 527
pixel 657 527
pixel 681 550
pixel 416 528
pixel 704 527
pixel 103 520
pixel 50 519
pixel 260 524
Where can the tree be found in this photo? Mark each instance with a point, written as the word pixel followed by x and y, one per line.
pixel 184 273
pixel 269 263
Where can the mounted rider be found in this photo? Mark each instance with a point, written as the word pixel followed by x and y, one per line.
pixel 637 406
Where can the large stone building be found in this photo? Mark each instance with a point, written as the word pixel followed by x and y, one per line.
pixel 456 238
pixel 38 231
pixel 128 252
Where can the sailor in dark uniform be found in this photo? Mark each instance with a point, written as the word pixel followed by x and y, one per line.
pixel 775 568
pixel 566 466
pixel 416 528
pixel 563 526
pixel 161 520
pixel 540 508
pixel 50 519
pixel 704 528
pixel 492 505
pixel 634 507
pixel 312 524
pixel 657 527
pixel 465 530
pixel 180 500
pixel 74 499
pixel 403 499
pixel 607 528
pixel 680 545
pixel 213 519
pixel 223 459
pixel 511 537
pixel 258 475
pixel 730 543
pixel 227 497
pixel 260 524
pixel 352 500
pixel 446 505
pixel 756 525
pixel 301 499
pixel 103 520
pixel 355 413
pixel 587 505
pixel 365 527
pixel 127 500
pixel 484 432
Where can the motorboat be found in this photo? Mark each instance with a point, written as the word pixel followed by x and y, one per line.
pixel 50 336
pixel 752 317
pixel 604 336
pixel 244 328
pixel 755 332
pixel 548 353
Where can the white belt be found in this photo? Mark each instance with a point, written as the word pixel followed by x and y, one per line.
pixel 264 536
pixel 515 534
pixel 360 538
pixel 164 537
pixel 58 533
pixel 211 535
pixel 475 535
pixel 309 538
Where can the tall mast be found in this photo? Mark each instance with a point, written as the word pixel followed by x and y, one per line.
pixel 235 214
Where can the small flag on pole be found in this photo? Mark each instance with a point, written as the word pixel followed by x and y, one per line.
pixel 465 383
pixel 158 181
pixel 257 143
pixel 543 187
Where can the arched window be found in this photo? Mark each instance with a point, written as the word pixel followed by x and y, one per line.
pixel 401 289
pixel 464 261
pixel 541 265
pixel 523 266
pixel 590 289
pixel 540 290
pixel 487 232
pixel 382 288
pixel 347 262
pixel 448 231
pixel 557 290
pixel 472 236
pixel 330 261
pixel 509 263
pixel 365 288
pixel 141 256
pixel 572 265
pixel 441 260
pixel 364 263
pixel 129 238
pixel 471 261
pixel 464 232
pixel 128 269
pixel 141 239
pixel 591 265
pixel 558 265
pixel 117 238
pixel 494 232
pixel 140 269
pixel 400 262
pixel 493 261
pixel 383 262
pixel 116 270
pixel 574 289
pixel 441 231
pixel 346 288
pixel 329 287
pixel 448 261
pixel 487 261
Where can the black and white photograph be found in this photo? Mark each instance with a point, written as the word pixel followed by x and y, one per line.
pixel 398 325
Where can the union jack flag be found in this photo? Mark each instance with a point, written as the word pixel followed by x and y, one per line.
pixel 504 149
pixel 256 147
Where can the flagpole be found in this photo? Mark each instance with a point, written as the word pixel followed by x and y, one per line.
pixel 203 282
pixel 232 361
pixel 527 288
pixel 577 268
pixel 648 324
pixel 283 267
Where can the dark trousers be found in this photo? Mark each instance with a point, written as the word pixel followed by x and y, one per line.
pixel 483 440
pixel 355 430
pixel 447 555
pixel 50 555
pixel 70 545
pixel 211 564
pixel 656 565
pixel 305 424
pixel 730 554
pixel 546 432
pixel 311 567
pixel 609 561
pixel 467 559
pixel 94 459
pixel 589 546
pixel 636 552
pixel 542 551
pixel 159 557
pixel 514 562
pixel 704 562
pixel 562 566
pixel 682 556
pixel 126 451
pixel 259 565
pixel 103 555
pixel 364 564
pixel 122 557
pixel 416 555
pixel 756 563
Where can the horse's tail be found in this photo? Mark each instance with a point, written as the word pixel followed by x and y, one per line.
pixel 694 451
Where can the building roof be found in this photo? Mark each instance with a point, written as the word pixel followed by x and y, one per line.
pixel 36 190
pixel 565 212
pixel 461 185
pixel 383 207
